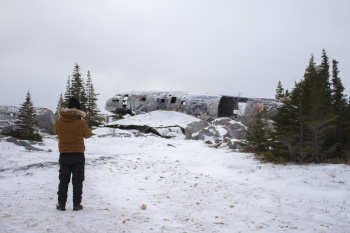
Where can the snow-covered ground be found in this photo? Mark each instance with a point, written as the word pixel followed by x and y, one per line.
pixel 184 185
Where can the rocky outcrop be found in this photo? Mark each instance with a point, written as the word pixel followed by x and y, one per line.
pixel 235 129
pixel 222 131
pixel 195 127
pixel 46 121
pixel 23 143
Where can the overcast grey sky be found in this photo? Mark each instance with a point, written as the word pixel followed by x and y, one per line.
pixel 206 46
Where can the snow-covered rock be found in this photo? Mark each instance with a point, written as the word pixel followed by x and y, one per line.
pixel 220 131
pixel 162 123
pixel 172 124
pixel 194 128
pixel 234 129
pixel 46 121
pixel 45 118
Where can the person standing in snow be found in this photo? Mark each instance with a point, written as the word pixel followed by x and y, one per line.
pixel 71 129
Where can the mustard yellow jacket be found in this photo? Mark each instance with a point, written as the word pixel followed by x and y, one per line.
pixel 71 129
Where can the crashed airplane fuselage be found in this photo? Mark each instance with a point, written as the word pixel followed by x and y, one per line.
pixel 206 106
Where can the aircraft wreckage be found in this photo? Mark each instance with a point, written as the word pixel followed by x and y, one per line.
pixel 204 106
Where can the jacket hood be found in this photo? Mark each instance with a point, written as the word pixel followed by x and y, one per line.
pixel 70 113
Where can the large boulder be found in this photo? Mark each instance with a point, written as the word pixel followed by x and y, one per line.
pixel 46 121
pixel 7 129
pixel 207 133
pixel 234 128
pixel 194 128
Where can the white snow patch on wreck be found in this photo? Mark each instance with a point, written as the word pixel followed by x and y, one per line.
pixel 158 118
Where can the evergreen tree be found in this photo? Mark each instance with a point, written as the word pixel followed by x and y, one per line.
pixel 286 132
pixel 77 87
pixel 83 97
pixel 288 139
pixel 76 83
pixel 304 120
pixel 317 114
pixel 324 76
pixel 68 93
pixel 286 93
pixel 346 138
pixel 338 98
pixel 337 135
pixel 257 133
pixel 60 104
pixel 92 111
pixel 26 122
pixel 279 92
pixel 84 93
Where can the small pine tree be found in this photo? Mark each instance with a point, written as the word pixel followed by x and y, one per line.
pixel 324 76
pixel 288 138
pixel 76 83
pixel 257 133
pixel 26 122
pixel 91 105
pixel 60 104
pixel 286 94
pixel 338 98
pixel 279 92
pixel 68 93
pixel 77 87
pixel 83 97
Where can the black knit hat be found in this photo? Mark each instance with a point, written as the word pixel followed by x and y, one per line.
pixel 74 103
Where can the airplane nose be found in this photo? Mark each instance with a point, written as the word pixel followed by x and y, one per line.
pixel 110 106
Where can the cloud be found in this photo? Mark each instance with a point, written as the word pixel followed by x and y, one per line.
pixel 224 47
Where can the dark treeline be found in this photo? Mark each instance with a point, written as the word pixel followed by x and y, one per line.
pixel 312 125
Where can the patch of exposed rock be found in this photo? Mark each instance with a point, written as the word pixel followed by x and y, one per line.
pixel 222 131
pixel 46 121
pixel 25 144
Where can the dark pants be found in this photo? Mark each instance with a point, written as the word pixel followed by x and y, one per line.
pixel 71 163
